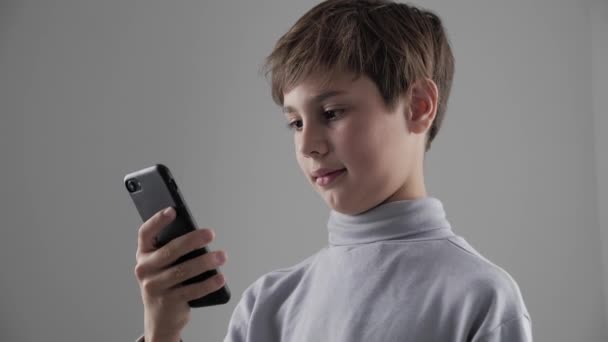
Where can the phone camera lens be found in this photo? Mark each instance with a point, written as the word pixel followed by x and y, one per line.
pixel 133 185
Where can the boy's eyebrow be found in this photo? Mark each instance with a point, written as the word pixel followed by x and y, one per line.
pixel 317 98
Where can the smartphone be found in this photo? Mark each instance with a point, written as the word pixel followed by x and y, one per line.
pixel 154 188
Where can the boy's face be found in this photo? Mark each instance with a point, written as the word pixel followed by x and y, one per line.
pixel 353 130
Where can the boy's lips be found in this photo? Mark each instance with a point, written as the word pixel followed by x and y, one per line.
pixel 329 178
pixel 323 172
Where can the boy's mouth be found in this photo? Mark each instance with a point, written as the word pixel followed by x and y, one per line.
pixel 328 178
pixel 325 172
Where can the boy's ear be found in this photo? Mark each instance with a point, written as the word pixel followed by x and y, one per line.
pixel 422 105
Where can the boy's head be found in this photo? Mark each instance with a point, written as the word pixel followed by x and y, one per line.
pixel 364 85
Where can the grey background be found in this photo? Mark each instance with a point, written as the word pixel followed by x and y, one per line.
pixel 91 90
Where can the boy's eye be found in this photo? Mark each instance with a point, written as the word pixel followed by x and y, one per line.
pixel 291 124
pixel 332 113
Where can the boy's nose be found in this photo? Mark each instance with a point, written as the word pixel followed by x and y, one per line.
pixel 313 148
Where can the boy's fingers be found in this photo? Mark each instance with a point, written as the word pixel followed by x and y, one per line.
pixel 148 231
pixel 181 245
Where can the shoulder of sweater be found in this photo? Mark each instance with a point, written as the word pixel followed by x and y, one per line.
pixel 486 279
pixel 281 275
pixel 478 265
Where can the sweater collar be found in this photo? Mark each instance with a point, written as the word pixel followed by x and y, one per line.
pixel 417 218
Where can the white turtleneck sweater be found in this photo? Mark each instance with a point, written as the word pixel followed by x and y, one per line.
pixel 396 272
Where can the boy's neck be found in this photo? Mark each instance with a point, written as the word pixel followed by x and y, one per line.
pixel 413 188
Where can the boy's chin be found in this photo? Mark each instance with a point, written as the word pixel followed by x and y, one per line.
pixel 340 203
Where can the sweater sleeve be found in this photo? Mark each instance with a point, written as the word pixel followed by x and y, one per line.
pixel 238 327
pixel 518 329
pixel 498 309
pixel 239 321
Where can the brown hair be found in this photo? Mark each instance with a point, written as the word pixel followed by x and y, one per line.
pixel 393 44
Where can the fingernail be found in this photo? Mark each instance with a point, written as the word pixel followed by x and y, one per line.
pixel 219 257
pixel 167 211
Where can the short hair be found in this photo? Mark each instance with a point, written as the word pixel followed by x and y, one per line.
pixel 394 44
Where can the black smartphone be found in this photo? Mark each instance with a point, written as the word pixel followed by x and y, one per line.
pixel 154 188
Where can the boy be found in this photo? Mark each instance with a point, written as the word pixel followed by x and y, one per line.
pixel 364 87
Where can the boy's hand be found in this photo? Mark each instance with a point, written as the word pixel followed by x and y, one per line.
pixel 166 309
